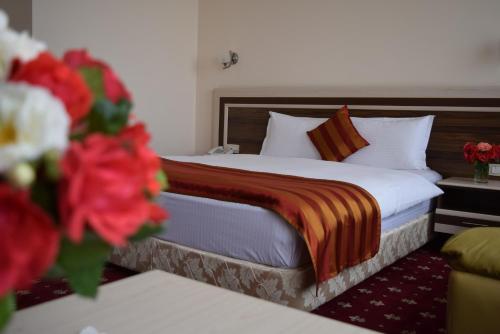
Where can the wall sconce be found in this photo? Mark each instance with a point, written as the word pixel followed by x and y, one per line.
pixel 233 60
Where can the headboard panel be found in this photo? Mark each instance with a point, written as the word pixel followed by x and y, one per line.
pixel 243 121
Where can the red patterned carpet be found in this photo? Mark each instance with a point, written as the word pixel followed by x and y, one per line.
pixel 408 297
pixel 45 290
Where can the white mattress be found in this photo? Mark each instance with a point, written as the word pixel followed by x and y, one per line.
pixel 247 232
pixel 255 234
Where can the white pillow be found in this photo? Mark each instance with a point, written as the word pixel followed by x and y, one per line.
pixel 397 143
pixel 287 136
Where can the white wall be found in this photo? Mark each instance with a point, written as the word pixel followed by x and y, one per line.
pixel 345 43
pixel 19 12
pixel 152 44
pixel 168 51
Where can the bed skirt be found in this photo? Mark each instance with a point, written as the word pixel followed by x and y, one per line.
pixel 291 287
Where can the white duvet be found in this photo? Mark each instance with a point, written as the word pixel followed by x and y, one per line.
pixel 394 190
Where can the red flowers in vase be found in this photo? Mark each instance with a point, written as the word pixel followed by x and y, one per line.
pixel 481 155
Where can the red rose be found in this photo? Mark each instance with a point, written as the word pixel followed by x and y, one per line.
pixel 137 137
pixel 114 89
pixel 29 240
pixel 103 185
pixel 470 151
pixel 60 79
pixel 137 134
pixel 497 152
pixel 485 156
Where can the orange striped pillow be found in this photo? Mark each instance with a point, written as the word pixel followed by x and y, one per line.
pixel 337 138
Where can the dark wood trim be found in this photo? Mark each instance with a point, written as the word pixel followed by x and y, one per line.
pixel 450 131
pixel 385 101
pixel 463 221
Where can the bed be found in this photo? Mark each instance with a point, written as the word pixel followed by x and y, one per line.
pixel 252 250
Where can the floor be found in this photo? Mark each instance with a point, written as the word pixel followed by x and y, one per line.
pixel 408 297
pixel 49 289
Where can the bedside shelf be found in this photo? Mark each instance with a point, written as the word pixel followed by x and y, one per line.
pixel 466 204
pixel 469 183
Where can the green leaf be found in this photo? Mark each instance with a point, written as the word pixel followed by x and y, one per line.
pixel 7 308
pixel 145 231
pixel 44 193
pixel 55 272
pixel 77 136
pixel 51 164
pixel 83 263
pixel 161 177
pixel 108 117
pixel 93 76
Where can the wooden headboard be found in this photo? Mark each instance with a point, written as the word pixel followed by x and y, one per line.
pixel 243 121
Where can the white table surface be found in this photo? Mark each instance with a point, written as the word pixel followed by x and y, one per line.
pixel 158 302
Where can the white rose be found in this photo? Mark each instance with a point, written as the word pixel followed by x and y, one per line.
pixel 32 122
pixel 15 45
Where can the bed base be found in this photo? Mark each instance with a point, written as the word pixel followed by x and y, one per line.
pixel 291 287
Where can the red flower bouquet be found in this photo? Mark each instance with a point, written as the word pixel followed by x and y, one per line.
pixel 77 176
pixel 481 155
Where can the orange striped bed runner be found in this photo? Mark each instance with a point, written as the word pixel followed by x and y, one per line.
pixel 339 221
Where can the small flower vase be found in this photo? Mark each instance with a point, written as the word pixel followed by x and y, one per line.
pixel 481 170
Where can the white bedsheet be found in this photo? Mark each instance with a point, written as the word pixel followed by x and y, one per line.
pixel 394 190
pixel 429 174
pixel 248 232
